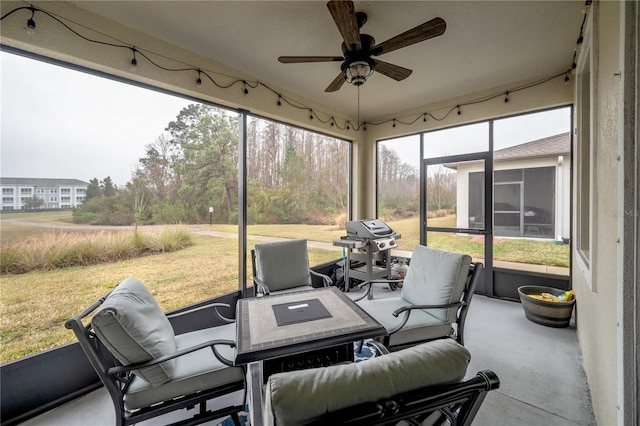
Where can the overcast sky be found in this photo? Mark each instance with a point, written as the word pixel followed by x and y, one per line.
pixel 61 123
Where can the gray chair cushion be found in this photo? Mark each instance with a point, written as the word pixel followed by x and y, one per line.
pixel 134 329
pixel 436 277
pixel 421 325
pixel 283 264
pixel 197 371
pixel 302 396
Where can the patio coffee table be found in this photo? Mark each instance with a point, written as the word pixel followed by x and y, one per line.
pixel 297 330
pixel 292 324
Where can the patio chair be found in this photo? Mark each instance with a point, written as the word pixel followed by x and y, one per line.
pixel 420 385
pixel 146 368
pixel 283 267
pixel 434 301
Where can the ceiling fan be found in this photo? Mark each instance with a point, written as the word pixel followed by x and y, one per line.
pixel 358 49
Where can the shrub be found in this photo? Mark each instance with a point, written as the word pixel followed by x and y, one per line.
pixel 60 250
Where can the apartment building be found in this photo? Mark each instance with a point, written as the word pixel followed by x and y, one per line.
pixel 19 193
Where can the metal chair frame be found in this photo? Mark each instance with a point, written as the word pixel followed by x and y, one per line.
pixel 463 307
pixel 116 377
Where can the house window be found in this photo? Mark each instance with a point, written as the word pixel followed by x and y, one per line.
pixel 65 199
pixel 25 191
pixel 7 200
pixel 54 191
pixel 585 158
pixel 65 190
pixel 53 198
pixel 80 190
pixel 7 191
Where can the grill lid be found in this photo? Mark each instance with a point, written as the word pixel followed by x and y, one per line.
pixel 368 229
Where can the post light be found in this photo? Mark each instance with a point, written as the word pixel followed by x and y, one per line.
pixel 210 216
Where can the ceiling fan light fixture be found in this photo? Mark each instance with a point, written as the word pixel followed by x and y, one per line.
pixel 357 72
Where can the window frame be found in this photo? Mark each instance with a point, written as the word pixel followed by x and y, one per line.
pixel 585 156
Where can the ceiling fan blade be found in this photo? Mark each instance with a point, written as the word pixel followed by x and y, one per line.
pixel 430 29
pixel 395 72
pixel 336 84
pixel 344 15
pixel 301 59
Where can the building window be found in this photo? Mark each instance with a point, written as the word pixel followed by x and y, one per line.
pixel 80 191
pixel 54 191
pixel 53 198
pixel 40 190
pixel 7 191
pixel 65 199
pixel 25 191
pixel 585 158
pixel 65 190
pixel 7 200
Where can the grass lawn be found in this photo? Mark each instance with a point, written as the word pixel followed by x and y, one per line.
pixel 34 306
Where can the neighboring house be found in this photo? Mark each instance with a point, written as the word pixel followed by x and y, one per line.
pixel 531 190
pixel 54 193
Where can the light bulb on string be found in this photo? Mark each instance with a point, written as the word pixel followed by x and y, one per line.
pixel 424 118
pixel 506 97
pixel 134 61
pixel 31 24
pixel 279 100
pixel 199 80
pixel 246 90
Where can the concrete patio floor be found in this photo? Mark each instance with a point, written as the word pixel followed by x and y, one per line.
pixel 540 370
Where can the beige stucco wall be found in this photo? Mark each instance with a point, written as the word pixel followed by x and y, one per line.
pixel 596 288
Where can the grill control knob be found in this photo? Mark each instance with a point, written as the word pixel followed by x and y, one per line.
pixel 382 245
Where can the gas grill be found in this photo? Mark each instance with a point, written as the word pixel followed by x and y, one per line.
pixel 367 244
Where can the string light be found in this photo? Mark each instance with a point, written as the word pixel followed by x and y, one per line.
pixel 31 25
pixel 134 61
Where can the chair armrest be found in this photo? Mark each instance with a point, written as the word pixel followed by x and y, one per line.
pixel 211 343
pixel 260 286
pixel 409 308
pixel 412 307
pixel 215 307
pixel 326 281
pixel 370 283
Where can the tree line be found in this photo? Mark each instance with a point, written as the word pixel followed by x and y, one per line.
pixel 294 176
